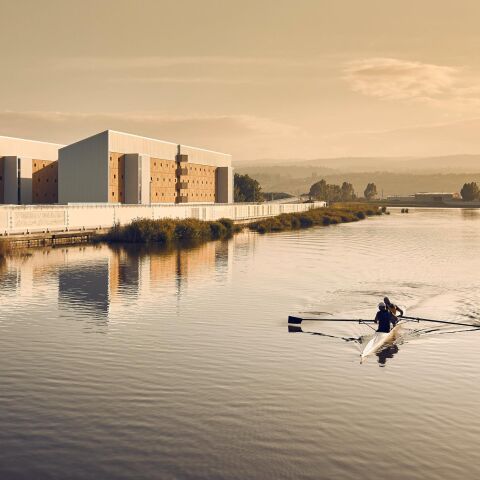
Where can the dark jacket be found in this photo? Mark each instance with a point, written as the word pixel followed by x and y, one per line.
pixel 384 319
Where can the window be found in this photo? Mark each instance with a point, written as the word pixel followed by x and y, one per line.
pixel 114 175
pixel 113 194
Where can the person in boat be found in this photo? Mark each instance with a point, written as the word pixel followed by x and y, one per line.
pixel 394 309
pixel 384 318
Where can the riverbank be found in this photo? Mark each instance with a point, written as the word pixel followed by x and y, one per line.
pixel 168 231
pixel 339 213
pixel 185 232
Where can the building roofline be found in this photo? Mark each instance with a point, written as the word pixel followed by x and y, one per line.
pixel 166 141
pixel 141 136
pixel 30 140
pixel 205 150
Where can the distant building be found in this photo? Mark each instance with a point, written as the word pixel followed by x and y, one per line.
pixel 112 167
pixel 425 197
pixel 28 171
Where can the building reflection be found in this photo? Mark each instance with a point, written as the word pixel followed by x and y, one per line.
pixel 91 280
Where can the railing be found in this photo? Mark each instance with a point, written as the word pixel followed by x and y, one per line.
pixel 22 219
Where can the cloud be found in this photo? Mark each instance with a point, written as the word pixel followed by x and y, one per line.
pixel 245 136
pixel 155 62
pixel 394 79
pixel 227 70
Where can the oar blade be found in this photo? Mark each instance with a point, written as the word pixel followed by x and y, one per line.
pixel 294 329
pixel 294 320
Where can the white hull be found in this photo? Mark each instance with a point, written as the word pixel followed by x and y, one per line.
pixel 380 339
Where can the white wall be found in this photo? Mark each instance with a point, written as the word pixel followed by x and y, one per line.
pixel 10 180
pixel 25 180
pixel 224 185
pixel 126 143
pixel 206 157
pixel 17 147
pixel 83 170
pixel 22 219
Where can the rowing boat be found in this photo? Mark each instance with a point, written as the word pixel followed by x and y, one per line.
pixel 380 339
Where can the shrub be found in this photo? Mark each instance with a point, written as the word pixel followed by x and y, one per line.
pixel 217 230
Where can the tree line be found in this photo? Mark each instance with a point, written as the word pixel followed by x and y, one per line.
pixel 470 192
pixel 247 189
pixel 339 193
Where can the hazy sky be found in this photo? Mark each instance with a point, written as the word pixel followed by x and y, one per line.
pixel 258 79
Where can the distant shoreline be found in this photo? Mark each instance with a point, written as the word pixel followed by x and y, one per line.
pixel 459 204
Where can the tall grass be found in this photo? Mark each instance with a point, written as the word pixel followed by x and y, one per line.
pixel 168 231
pixel 339 213
pixel 191 231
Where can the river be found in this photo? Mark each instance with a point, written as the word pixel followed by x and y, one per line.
pixel 128 364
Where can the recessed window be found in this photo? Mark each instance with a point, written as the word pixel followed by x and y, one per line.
pixel 114 175
pixel 113 194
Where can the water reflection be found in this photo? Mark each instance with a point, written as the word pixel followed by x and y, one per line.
pixel 89 281
pixel 386 353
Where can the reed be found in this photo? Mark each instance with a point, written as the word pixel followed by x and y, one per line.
pixel 338 213
pixel 168 231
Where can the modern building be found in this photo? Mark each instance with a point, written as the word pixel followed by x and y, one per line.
pixel 28 171
pixel 112 167
pixel 116 167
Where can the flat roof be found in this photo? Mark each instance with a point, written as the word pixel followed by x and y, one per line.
pixel 30 140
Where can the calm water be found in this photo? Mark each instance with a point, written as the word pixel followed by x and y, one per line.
pixel 120 365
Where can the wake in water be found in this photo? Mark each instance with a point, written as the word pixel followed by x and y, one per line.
pixel 410 331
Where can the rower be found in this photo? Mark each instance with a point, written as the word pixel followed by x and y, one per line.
pixel 393 309
pixel 384 318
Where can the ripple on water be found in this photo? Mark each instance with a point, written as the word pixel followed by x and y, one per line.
pixel 188 369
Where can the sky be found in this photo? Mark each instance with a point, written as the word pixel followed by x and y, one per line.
pixel 262 79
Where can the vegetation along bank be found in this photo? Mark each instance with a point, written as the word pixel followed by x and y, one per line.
pixel 340 213
pixel 169 231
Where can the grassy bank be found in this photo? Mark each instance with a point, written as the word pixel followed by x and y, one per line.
pixel 168 231
pixel 339 213
pixel 192 231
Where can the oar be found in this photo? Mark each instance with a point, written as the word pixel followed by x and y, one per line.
pixel 299 320
pixel 418 319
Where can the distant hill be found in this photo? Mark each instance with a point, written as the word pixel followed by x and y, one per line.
pixel 393 175
pixel 438 164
